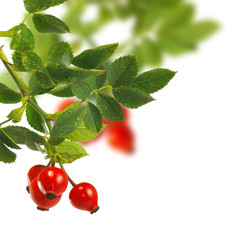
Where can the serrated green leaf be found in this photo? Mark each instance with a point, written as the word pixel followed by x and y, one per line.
pixel 31 61
pixel 71 151
pixel 153 80
pixel 34 119
pixel 63 74
pixel 34 137
pixel 83 134
pixel 36 5
pixel 17 60
pixel 93 118
pixel 17 133
pixel 95 57
pixel 7 140
pixel 68 121
pixel 131 97
pixel 43 79
pixel 56 140
pixel 109 108
pixel 60 53
pixel 81 89
pixel 6 155
pixel 9 96
pixel 122 71
pixel 31 144
pixel 46 23
pixel 63 91
pixel 97 82
pixel 23 40
pixel 40 5
pixel 34 86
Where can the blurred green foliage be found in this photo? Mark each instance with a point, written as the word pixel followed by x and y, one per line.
pixel 161 27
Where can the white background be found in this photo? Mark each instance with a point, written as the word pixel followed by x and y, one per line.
pixel 182 182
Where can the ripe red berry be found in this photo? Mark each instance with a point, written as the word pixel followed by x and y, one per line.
pixel 84 197
pixel 40 199
pixel 52 182
pixel 34 172
pixel 64 103
pixel 126 118
pixel 121 137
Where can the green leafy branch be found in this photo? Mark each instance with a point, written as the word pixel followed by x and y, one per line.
pixel 101 89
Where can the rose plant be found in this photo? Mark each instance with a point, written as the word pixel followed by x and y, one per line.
pixel 101 89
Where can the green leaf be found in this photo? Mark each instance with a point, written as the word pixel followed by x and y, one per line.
pixel 56 140
pixel 34 137
pixel 148 52
pixel 16 114
pixel 7 140
pixel 122 71
pixel 109 108
pixel 23 40
pixel 45 23
pixel 40 5
pixel 81 89
pixel 37 5
pixel 178 16
pixel 34 119
pixel 31 61
pixel 17 60
pixel 63 74
pixel 71 151
pixel 7 95
pixel 153 80
pixel 34 86
pixel 68 121
pixel 43 79
pixel 97 82
pixel 63 91
pixel 93 118
pixel 195 32
pixel 131 97
pixel 6 155
pixel 83 134
pixel 60 53
pixel 95 57
pixel 16 133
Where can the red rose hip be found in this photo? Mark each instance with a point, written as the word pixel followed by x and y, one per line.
pixel 84 197
pixel 34 172
pixel 40 199
pixel 52 182
pixel 121 138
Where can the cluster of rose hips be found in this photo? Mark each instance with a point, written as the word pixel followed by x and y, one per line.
pixel 119 135
pixel 47 184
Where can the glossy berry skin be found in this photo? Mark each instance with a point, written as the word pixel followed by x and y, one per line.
pixel 113 123
pixel 40 199
pixel 84 196
pixel 34 172
pixel 64 103
pixel 52 182
pixel 121 138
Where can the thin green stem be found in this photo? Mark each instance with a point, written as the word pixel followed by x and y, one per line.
pixel 8 120
pixel 26 17
pixel 19 82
